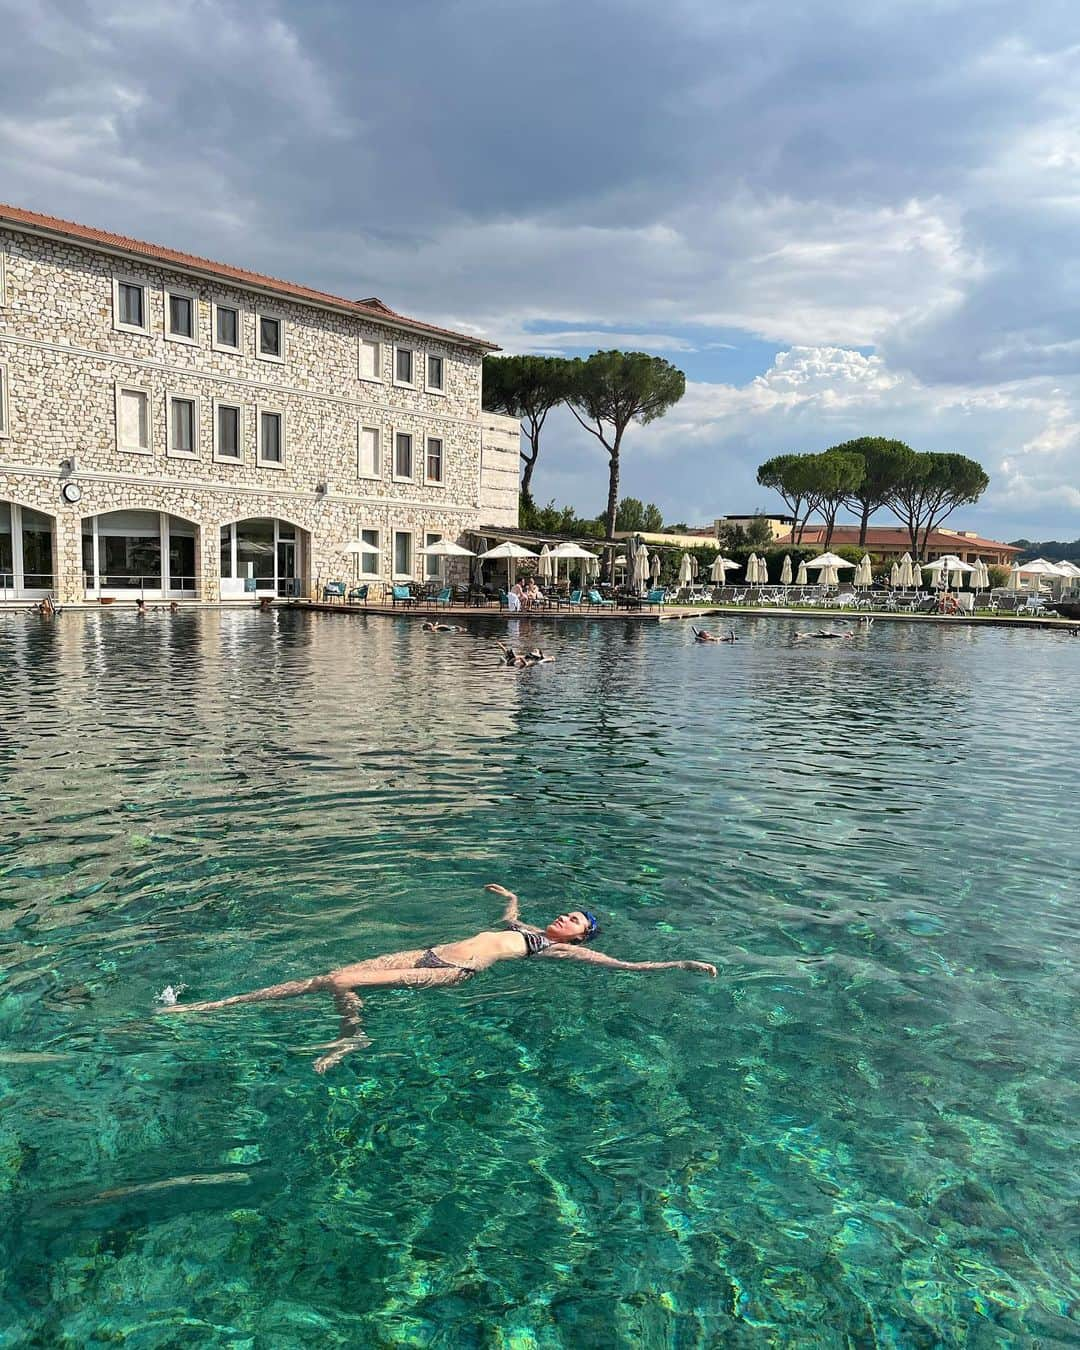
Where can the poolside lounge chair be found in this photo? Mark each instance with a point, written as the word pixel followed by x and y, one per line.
pixel 1033 605
pixel 444 597
pixel 333 590
pixel 358 594
pixel 571 601
pixel 598 602
pixel 657 596
pixel 401 595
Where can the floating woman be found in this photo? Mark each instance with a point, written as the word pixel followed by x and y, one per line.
pixel 445 964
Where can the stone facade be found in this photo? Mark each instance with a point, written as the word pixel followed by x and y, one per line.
pixel 64 360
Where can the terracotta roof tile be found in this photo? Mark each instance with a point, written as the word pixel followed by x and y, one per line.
pixel 893 536
pixel 15 215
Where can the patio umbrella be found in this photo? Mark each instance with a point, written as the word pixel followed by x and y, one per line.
pixel 785 571
pixel 543 567
pixel 1040 567
pixel 1014 583
pixel 442 548
pixel 894 576
pixel 906 578
pixel 654 568
pixel 801 578
pixel 511 552
pixel 685 570
pixel 639 574
pixel 693 566
pixel 863 574
pixel 358 546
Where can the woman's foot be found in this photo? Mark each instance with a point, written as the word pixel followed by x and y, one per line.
pixel 337 1050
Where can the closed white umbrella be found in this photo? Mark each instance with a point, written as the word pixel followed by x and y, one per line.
pixel 906 577
pixel 864 576
pixel 716 571
pixel 1014 583
pixel 685 570
pixel 785 571
pixel 801 578
pixel 751 569
pixel 693 566
pixel 654 568
pixel 640 572
pixel 543 567
pixel 894 576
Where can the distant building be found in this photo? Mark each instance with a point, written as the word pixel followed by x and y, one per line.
pixel 176 427
pixel 890 541
pixel 779 526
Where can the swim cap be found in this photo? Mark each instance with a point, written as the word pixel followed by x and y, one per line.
pixel 594 925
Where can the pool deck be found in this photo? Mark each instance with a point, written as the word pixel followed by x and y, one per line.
pixel 671 613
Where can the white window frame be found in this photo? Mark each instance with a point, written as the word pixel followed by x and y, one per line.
pixel 5 415
pixel 259 460
pixel 126 387
pixel 377 378
pixel 279 319
pixel 360 429
pixel 170 451
pixel 238 458
pixel 441 481
pixel 370 576
pixel 181 294
pixel 395 575
pixel 433 537
pixel 224 346
pixel 430 388
pixel 404 347
pixel 119 281
pixel 395 476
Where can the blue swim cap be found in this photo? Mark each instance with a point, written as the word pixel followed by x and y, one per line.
pixel 594 925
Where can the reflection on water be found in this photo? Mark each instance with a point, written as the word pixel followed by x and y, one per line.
pixel 860 1134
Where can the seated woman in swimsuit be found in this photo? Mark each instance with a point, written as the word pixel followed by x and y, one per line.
pixel 446 963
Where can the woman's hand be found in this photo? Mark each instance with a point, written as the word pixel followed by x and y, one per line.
pixel 699 968
pixel 500 890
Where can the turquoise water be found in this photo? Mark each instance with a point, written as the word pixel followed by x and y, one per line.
pixel 860 1134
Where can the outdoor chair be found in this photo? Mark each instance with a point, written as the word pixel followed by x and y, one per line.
pixel 597 601
pixel 1009 604
pixel 927 605
pixel 571 601
pixel 1034 604
pixel 401 595
pixel 656 596
pixel 738 597
pixel 358 594
pixel 965 602
pixel 333 590
pixel 444 597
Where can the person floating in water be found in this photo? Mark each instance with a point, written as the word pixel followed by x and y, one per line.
pixel 703 635
pixel 822 633
pixel 445 964
pixel 428 627
pixel 535 657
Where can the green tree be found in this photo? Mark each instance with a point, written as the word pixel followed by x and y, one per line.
pixel 612 389
pixel 834 476
pixel 759 533
pixel 527 387
pixel 635 517
pixel 884 463
pixel 931 488
pixel 552 519
pixel 783 474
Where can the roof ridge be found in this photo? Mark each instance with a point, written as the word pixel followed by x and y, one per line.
pixel 163 253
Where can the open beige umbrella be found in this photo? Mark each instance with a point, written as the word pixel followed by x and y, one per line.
pixel 511 552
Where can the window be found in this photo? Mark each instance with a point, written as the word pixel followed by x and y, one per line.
pixel 402 554
pixel 181 316
pixel 271 438
pixel 369 561
pixel 183 427
pixel 367 455
pixel 403 365
pixel 228 431
pixel 434 462
pixel 133 419
pixel 3 277
pixel 435 375
pixel 226 328
pixel 3 401
pixel 403 456
pixel 370 359
pixel 130 308
pixel 431 564
pixel 270 337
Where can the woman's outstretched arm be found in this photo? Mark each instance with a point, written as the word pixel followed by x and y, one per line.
pixel 512 912
pixel 568 951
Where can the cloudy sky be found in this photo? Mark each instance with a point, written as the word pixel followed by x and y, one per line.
pixel 839 218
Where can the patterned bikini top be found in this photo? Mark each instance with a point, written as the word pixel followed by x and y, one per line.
pixel 535 943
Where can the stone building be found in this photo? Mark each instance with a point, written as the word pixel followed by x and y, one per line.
pixel 175 427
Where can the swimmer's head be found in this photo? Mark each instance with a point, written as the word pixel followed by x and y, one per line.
pixel 577 925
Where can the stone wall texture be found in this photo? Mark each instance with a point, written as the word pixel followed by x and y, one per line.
pixel 64 360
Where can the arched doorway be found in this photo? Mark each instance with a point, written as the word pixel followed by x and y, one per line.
pixel 262 556
pixel 26 553
pixel 139 553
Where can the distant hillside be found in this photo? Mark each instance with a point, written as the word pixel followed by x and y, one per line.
pixel 1053 549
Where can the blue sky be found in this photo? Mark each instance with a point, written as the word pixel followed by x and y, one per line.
pixel 852 217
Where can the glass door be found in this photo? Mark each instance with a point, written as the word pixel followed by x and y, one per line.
pixel 286 567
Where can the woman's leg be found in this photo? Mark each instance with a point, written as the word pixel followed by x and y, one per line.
pixel 351 1035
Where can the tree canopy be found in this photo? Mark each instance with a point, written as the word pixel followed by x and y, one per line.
pixel 635 517
pixel 884 464
pixel 610 390
pixel 932 487
pixel 527 387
